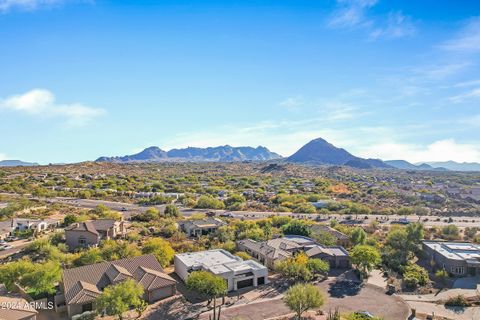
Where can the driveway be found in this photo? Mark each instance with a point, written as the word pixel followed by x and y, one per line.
pixel 344 295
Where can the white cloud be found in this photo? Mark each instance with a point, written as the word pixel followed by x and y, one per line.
pixel 441 150
pixel 337 110
pixel 470 83
pixel 397 26
pixel 353 14
pixel 468 38
pixel 292 102
pixel 29 5
pixel 41 103
pixel 3 156
pixel 472 94
pixel 441 71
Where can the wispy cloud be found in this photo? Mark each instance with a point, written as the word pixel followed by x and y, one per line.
pixel 472 94
pixel 467 39
pixel 351 13
pixel 28 5
pixel 441 71
pixel 470 83
pixel 292 102
pixel 3 156
pixel 42 103
pixel 354 14
pixel 397 26
pixel 337 111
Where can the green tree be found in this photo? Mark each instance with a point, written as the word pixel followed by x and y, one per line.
pixel 90 256
pixel 365 258
pixel 296 227
pixel 171 211
pixel 325 238
pixel 161 249
pixel 115 249
pixel 11 273
pixel 358 236
pixel 450 232
pixel 209 202
pixel 69 219
pixel 42 279
pixel 209 286
pixel 235 202
pixel 151 214
pixel 303 297
pixel 119 298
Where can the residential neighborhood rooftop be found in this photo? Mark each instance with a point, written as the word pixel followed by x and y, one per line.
pixel 455 250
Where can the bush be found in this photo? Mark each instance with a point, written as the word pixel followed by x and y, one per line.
pixel 414 276
pixel 458 301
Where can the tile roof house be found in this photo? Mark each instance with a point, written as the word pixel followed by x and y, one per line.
pixel 196 228
pixel 81 286
pixel 342 239
pixel 14 307
pixel 271 251
pixel 89 233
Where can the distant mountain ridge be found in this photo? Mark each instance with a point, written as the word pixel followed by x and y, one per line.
pixel 17 163
pixel 456 166
pixel 211 154
pixel 405 165
pixel 319 151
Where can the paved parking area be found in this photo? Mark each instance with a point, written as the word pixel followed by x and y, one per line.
pixel 346 295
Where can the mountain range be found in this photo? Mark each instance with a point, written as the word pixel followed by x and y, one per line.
pixel 212 154
pixel 315 152
pixel 16 163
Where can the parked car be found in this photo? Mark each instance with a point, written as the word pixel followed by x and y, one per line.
pixel 11 238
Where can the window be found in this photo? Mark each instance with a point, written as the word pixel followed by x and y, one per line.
pixel 82 241
pixel 458 270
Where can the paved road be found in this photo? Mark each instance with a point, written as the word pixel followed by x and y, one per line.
pixel 17 247
pixel 128 209
pixel 369 298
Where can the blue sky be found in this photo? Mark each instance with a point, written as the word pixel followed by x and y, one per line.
pixel 383 79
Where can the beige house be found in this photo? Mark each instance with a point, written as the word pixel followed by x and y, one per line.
pixel 196 228
pixel 81 286
pixel 90 233
pixel 271 251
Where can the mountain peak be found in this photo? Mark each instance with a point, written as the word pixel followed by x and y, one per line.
pixel 224 153
pixel 320 151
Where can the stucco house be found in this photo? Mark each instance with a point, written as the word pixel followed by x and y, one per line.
pixel 271 251
pixel 236 272
pixel 90 233
pixel 457 258
pixel 81 286
pixel 196 228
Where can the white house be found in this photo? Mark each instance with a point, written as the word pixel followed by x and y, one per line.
pixel 237 272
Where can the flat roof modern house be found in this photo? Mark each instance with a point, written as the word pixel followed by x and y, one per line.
pixel 237 272
pixel 457 258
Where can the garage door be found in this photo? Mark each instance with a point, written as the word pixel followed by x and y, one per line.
pixel 244 283
pixel 161 293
